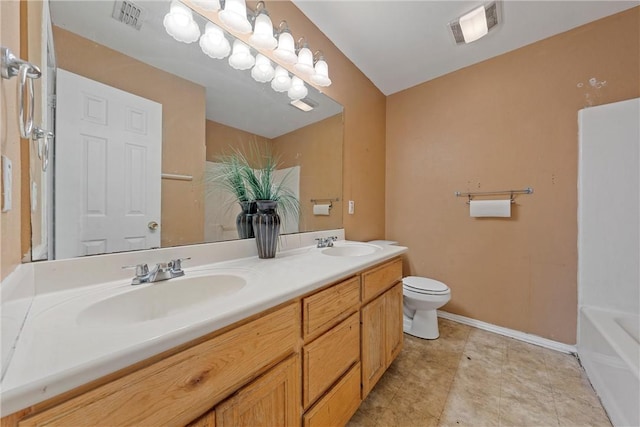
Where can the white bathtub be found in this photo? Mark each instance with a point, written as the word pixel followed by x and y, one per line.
pixel 609 350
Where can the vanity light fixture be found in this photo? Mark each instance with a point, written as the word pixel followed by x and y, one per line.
pixel 281 81
pixel 298 89
pixel 241 58
pixel 213 42
pixel 263 71
pixel 304 64
pixel 262 36
pixel 179 23
pixel 321 75
pixel 286 46
pixel 475 24
pixel 234 16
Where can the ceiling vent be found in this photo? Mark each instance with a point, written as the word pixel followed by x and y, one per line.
pixel 464 27
pixel 129 13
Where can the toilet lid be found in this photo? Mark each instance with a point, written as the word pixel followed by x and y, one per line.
pixel 424 285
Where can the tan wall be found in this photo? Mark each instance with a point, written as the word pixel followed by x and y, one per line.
pixel 10 231
pixel 364 127
pixel 506 123
pixel 183 126
pixel 222 139
pixel 319 156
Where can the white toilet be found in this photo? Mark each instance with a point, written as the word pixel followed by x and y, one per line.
pixel 422 297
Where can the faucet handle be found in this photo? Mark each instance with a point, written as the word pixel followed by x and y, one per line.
pixel 176 264
pixel 141 269
pixel 142 273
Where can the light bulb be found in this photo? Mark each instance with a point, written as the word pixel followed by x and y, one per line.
pixel 281 81
pixel 263 71
pixel 305 61
pixel 213 42
pixel 179 23
pixel 234 16
pixel 297 90
pixel 286 48
pixel 262 36
pixel 241 58
pixel 321 76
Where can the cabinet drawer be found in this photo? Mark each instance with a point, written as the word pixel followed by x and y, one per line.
pixel 179 388
pixel 376 281
pixel 328 357
pixel 323 310
pixel 339 405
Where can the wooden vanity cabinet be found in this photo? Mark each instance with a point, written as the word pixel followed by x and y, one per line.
pixel 309 362
pixel 381 317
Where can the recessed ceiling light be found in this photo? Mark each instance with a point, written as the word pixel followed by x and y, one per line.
pixel 475 24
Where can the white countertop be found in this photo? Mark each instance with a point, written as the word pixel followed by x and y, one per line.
pixel 55 354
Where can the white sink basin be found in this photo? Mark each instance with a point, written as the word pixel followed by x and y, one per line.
pixel 351 249
pixel 161 299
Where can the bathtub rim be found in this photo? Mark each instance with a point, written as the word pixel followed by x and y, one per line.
pixel 615 335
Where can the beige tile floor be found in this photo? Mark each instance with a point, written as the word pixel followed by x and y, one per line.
pixel 471 377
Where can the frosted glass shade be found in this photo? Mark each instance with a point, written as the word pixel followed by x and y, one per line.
pixel 263 71
pixel 474 25
pixel 321 76
pixel 241 58
pixel 305 62
pixel 262 36
pixel 213 42
pixel 281 81
pixel 297 90
pixel 179 23
pixel 234 16
pixel 286 48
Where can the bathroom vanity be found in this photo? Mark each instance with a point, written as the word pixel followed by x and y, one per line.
pixel 308 360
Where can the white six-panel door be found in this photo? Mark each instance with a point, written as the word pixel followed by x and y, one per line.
pixel 107 169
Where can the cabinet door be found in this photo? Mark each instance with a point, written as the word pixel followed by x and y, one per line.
pixel 271 400
pixel 393 333
pixel 373 343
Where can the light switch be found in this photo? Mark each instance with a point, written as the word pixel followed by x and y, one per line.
pixel 7 183
pixel 352 207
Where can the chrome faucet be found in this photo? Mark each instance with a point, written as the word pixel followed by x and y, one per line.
pixel 326 242
pixel 162 271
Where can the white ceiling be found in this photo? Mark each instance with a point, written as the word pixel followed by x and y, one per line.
pixel 399 44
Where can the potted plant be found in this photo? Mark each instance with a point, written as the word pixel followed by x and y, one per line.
pixel 269 196
pixel 252 181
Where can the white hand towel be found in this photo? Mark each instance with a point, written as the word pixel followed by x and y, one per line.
pixel 490 208
pixel 321 209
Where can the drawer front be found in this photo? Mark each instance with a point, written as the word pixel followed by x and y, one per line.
pixel 325 309
pixel 339 405
pixel 378 280
pixel 179 388
pixel 328 357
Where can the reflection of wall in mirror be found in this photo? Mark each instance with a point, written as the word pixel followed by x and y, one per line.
pixel 183 103
pixel 320 161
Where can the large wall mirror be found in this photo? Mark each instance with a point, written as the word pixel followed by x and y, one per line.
pixel 141 121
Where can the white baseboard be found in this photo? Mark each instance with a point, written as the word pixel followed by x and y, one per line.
pixel 522 336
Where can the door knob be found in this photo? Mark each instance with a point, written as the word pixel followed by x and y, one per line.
pixel 152 225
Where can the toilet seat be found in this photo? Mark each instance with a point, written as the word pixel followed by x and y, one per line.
pixel 423 285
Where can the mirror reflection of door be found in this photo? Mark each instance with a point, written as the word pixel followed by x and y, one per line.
pixel 108 169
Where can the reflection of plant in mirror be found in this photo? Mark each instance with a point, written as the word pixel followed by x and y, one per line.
pixel 249 183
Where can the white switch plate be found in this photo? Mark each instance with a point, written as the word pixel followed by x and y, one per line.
pixel 352 207
pixel 7 183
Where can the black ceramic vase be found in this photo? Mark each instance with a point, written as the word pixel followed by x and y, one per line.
pixel 244 220
pixel 266 226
